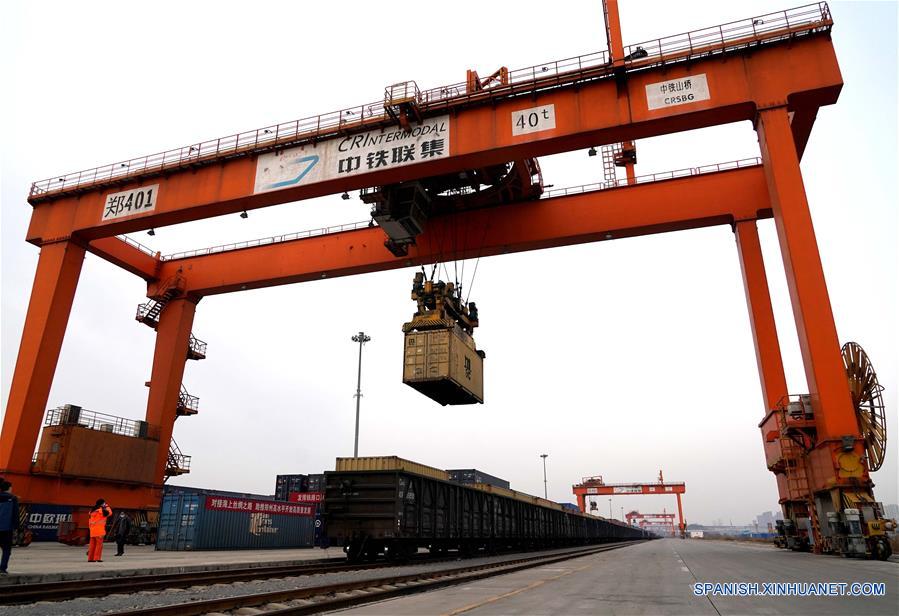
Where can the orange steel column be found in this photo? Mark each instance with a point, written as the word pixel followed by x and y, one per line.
pixel 761 315
pixel 613 30
pixel 172 340
pixel 55 281
pixel 582 502
pixel 764 335
pixel 834 414
pixel 680 516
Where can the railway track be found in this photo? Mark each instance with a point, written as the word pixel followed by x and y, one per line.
pixel 316 599
pixel 62 591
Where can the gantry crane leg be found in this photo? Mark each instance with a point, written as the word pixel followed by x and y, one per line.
pixel 55 281
pixel 761 314
pixel 172 342
pixel 837 428
pixel 764 335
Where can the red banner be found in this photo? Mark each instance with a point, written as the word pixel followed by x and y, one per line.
pixel 306 497
pixel 224 503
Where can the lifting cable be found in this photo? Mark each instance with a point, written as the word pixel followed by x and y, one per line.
pixel 447 239
pixel 479 253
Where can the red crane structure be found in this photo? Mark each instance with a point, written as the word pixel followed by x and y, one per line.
pixel 595 486
pixel 423 157
pixel 660 523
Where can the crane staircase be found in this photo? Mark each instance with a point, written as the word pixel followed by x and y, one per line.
pixel 177 463
pixel 796 424
pixel 149 313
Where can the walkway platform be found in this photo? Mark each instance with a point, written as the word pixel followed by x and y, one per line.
pixel 657 577
pixel 53 562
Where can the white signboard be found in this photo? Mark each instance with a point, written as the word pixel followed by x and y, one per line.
pixel 592 491
pixel 130 202
pixel 533 120
pixel 676 92
pixel 354 154
pixel 627 490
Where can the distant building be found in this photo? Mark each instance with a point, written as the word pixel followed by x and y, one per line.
pixel 766 519
pixel 891 511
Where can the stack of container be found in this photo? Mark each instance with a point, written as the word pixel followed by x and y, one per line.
pixel 315 483
pixel 473 475
pixel 306 490
pixel 197 519
pixel 285 484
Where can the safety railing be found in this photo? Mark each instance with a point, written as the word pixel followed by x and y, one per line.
pixel 403 92
pixel 275 239
pixel 652 177
pixel 766 28
pixel 187 401
pixel 135 244
pixel 196 347
pixel 70 415
pixel 144 312
pixel 549 194
pixel 178 463
pixel 717 39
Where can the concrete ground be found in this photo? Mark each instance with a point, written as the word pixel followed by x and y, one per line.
pixel 657 578
pixel 51 561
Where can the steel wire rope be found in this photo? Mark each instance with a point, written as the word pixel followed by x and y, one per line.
pixel 439 253
pixel 480 250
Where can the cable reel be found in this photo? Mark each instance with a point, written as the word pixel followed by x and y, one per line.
pixel 867 399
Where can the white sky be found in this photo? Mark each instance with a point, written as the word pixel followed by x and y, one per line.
pixel 617 358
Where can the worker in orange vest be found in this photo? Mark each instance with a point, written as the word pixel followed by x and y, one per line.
pixel 97 526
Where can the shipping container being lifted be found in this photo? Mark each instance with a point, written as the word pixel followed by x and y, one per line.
pixel 440 358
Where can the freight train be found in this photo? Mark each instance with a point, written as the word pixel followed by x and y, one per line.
pixel 393 513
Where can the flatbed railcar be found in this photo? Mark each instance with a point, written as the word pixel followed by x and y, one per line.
pixel 395 512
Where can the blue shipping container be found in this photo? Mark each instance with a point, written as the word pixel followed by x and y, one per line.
pixel 207 520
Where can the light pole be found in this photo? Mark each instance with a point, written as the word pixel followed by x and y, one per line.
pixel 544 456
pixel 622 514
pixel 361 338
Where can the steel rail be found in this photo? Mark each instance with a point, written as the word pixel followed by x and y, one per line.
pixel 100 587
pixel 336 596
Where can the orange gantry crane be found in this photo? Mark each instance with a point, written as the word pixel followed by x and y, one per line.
pixel 595 486
pixel 774 70
pixel 660 523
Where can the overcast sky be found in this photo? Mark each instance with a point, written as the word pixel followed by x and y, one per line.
pixel 617 358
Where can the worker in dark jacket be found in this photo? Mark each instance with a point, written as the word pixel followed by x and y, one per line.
pixel 121 529
pixel 9 522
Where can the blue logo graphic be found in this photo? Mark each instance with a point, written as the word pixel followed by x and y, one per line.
pixel 311 160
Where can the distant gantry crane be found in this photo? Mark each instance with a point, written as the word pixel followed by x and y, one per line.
pixel 595 486
pixel 659 523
